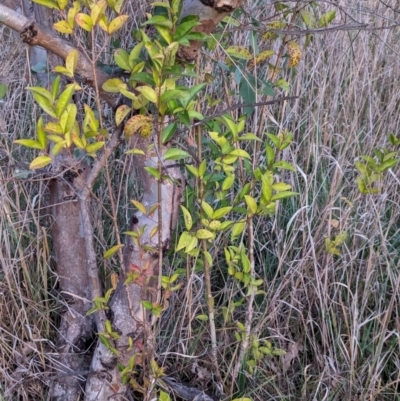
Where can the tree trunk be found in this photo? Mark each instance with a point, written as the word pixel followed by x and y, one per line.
pixel 129 318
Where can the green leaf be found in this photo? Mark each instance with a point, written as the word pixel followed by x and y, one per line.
pixel 186 25
pixel 187 218
pixel 64 99
pixel 228 182
pixel 326 18
pixel 40 162
pixel 144 77
pixel 121 57
pixel 135 53
pixel 110 252
pixel 168 132
pixel 55 87
pixel 171 94
pixel 248 92
pixel 192 169
pixel 3 90
pixel 203 318
pixel 191 93
pixel 283 84
pixel 153 171
pixel 175 154
pixel 184 118
pixel 47 3
pixel 237 229
pixel 159 20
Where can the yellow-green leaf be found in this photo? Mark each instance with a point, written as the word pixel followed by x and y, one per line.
pixel 175 154
pixel 135 123
pixel 251 203
pixel 139 206
pixel 98 11
pixel 41 133
pixel 281 186
pixel 63 27
pixel 72 12
pixel 239 153
pixel 149 93
pixel 68 118
pixel 62 4
pixel 114 85
pixel 184 240
pixel 41 91
pixel 29 143
pixel 84 21
pixel 54 128
pixel 103 23
pixel 187 217
pixel 218 214
pixel 117 23
pixel 204 234
pixel 94 147
pixel 64 99
pixel 45 104
pixel 47 3
pixel 77 141
pixel 239 52
pixel 121 113
pixel 110 252
pixel 71 61
pixel 58 147
pixel 62 70
pixel 207 209
pixel 237 229
pixel 40 162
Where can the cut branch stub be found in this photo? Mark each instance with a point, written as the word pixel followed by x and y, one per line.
pixel 210 13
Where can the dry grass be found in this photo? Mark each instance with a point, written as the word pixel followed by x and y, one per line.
pixel 336 316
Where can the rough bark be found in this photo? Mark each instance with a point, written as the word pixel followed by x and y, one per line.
pixel 128 316
pixel 76 329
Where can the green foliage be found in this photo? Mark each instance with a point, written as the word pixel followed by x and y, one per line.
pixel 372 169
pixel 232 186
pixel 3 90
